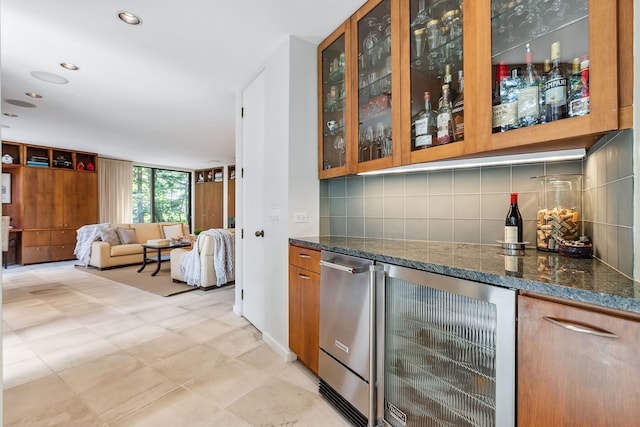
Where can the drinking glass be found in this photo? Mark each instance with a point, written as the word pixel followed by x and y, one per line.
pixel 371 39
pixel 422 17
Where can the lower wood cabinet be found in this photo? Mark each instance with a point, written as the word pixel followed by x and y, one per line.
pixel 576 366
pixel 304 304
pixel 47 245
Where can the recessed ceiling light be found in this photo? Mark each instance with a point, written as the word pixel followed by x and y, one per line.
pixel 10 115
pixel 6 126
pixel 33 94
pixel 129 18
pixel 49 77
pixel 19 103
pixel 69 66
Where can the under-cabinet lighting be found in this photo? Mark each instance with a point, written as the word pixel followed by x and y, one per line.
pixel 548 156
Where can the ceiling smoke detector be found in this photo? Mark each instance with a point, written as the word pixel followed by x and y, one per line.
pixel 129 18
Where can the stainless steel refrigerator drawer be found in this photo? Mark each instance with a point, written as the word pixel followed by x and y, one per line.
pixel 352 388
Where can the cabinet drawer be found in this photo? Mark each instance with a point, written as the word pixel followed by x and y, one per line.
pixel 61 237
pixel 62 252
pixel 35 254
pixel 306 258
pixel 36 238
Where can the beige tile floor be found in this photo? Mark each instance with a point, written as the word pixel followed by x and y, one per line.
pixel 80 350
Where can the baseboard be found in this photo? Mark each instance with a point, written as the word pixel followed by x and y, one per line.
pixel 284 352
pixel 237 310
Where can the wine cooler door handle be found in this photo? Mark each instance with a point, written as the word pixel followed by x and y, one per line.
pixel 580 328
pixel 345 268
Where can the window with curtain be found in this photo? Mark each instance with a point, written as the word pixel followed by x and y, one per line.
pixel 161 195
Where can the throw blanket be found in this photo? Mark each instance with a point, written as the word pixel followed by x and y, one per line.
pixel 86 235
pixel 223 255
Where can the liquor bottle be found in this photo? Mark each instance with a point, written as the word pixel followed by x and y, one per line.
pixel 529 93
pixel 555 89
pixel 513 222
pixel 445 118
pixel 578 97
pixel 497 110
pixel 509 88
pixel 543 80
pixel 424 124
pixel 458 110
pixel 447 79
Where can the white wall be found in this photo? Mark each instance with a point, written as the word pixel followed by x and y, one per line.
pixel 291 183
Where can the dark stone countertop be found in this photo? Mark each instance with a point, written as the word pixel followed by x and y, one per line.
pixel 584 280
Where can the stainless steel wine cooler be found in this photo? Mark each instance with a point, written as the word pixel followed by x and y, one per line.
pixel 449 351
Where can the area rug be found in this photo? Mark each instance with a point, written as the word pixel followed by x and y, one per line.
pixel 160 284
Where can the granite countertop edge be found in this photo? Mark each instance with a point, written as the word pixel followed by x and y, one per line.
pixel 551 289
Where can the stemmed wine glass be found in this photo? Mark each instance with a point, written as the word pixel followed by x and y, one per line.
pixel 422 17
pixel 371 39
pixel 340 145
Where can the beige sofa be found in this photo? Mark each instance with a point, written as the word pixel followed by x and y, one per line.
pixel 206 248
pixel 106 254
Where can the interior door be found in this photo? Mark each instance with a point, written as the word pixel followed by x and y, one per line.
pixel 253 140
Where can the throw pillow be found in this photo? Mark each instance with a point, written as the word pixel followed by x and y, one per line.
pixel 127 236
pixel 109 235
pixel 173 232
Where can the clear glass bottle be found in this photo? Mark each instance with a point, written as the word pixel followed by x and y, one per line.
pixel 424 124
pixel 555 89
pixel 529 93
pixel 445 118
pixel 509 88
pixel 458 110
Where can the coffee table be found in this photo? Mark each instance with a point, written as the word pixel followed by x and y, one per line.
pixel 158 257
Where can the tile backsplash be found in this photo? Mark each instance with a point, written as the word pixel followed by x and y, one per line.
pixel 469 205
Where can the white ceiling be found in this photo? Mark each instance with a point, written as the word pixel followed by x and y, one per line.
pixel 160 93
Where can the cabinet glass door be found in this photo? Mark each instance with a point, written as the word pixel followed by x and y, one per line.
pixel 437 100
pixel 540 57
pixel 333 106
pixel 374 47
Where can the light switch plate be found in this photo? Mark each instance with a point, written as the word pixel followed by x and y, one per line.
pixel 300 217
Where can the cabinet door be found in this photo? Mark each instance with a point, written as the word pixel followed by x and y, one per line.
pixel 432 57
pixel 81 203
pixel 37 197
pixel 304 315
pixel 35 254
pixel 573 104
pixel 576 378
pixel 334 96
pixel 376 43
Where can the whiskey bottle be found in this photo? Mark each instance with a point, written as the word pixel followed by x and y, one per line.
pixel 498 112
pixel 445 118
pixel 578 97
pixel 458 110
pixel 424 124
pixel 555 89
pixel 529 93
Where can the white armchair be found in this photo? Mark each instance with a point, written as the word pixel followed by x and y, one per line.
pixel 206 247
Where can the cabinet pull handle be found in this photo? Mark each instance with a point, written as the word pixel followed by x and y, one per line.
pixel 304 256
pixel 580 328
pixel 304 276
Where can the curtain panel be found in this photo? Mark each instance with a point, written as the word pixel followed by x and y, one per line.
pixel 114 182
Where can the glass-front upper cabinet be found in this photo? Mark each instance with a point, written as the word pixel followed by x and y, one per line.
pixel 436 73
pixel 376 40
pixel 550 64
pixel 334 74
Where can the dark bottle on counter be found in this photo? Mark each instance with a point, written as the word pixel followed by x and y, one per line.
pixel 555 89
pixel 458 110
pixel 513 222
